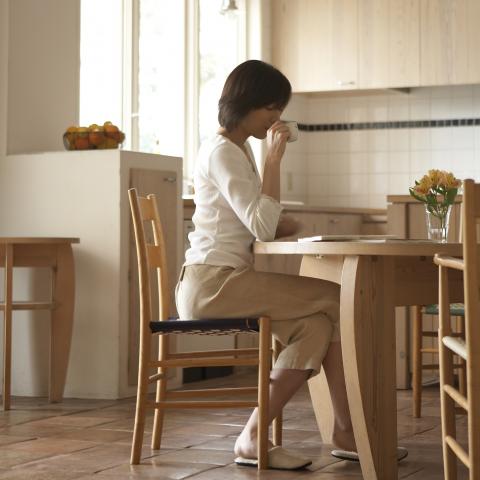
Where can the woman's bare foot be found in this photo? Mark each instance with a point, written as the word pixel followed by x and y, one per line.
pixel 246 446
pixel 343 439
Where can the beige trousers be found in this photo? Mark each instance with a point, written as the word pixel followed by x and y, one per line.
pixel 304 311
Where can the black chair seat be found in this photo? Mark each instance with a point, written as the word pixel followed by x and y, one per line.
pixel 211 326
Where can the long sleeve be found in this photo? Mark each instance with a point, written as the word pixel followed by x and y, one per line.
pixel 235 178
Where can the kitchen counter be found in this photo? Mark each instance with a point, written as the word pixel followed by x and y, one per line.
pixel 290 207
pixel 410 199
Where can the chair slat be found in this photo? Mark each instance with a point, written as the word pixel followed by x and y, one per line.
pixel 458 450
pixel 205 362
pixel 456 396
pixel 154 256
pixel 204 404
pixel 211 392
pixel 146 208
pixel 214 353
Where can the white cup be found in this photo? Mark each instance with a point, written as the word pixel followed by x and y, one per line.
pixel 293 128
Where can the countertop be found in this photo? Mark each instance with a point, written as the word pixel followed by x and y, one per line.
pixel 188 203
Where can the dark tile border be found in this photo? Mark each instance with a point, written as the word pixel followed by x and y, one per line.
pixel 333 127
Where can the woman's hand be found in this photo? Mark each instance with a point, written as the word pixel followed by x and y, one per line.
pixel 287 226
pixel 277 137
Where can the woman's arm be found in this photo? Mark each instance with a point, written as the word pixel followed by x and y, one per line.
pixel 287 226
pixel 276 141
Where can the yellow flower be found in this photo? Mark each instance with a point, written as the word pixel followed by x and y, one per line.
pixel 448 180
pixel 435 176
pixel 437 189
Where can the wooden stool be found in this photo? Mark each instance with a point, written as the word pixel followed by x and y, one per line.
pixel 55 253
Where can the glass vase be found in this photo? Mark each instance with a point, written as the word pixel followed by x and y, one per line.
pixel 438 223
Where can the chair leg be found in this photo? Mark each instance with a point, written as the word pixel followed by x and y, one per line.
pixel 447 408
pixel 159 412
pixel 417 362
pixel 161 393
pixel 277 424
pixel 263 391
pixel 7 333
pixel 140 413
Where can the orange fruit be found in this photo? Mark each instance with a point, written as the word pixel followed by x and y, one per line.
pixel 81 143
pixel 96 137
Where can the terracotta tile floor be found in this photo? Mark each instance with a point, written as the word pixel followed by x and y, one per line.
pixel 86 439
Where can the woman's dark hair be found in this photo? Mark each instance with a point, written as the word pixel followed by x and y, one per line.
pixel 252 84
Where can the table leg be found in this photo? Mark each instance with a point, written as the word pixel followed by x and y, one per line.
pixel 368 349
pixel 62 321
pixel 7 329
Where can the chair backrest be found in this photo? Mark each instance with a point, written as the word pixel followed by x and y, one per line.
pixel 471 237
pixel 151 256
pixel 471 240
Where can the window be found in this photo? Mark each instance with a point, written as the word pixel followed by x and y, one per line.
pixel 221 47
pixel 161 74
pixel 157 69
pixel 100 62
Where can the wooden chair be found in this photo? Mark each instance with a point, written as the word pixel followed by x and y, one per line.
pixel 418 349
pixel 152 257
pixel 467 349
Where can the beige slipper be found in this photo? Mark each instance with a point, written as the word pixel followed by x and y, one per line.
pixel 353 456
pixel 279 459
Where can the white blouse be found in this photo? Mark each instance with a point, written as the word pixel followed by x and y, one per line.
pixel 230 209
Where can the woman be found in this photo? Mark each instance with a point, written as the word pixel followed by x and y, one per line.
pixel 234 206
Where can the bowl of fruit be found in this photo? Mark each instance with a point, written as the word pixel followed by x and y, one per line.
pixel 94 137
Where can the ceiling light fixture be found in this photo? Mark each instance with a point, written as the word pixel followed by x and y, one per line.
pixel 229 7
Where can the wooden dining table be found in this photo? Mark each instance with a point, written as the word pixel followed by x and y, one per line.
pixel 375 276
pixel 56 254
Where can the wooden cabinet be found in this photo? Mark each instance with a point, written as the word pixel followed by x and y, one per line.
pixel 449 40
pixel 314 43
pixel 324 45
pixel 388 43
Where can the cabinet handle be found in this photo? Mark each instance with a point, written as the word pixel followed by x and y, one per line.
pixel 343 83
pixel 170 179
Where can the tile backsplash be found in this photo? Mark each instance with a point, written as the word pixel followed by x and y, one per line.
pixel 355 150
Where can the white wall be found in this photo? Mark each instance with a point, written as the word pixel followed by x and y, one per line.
pixel 43 72
pixel 3 75
pixel 76 194
pixel 359 168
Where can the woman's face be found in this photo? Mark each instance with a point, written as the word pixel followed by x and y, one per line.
pixel 258 121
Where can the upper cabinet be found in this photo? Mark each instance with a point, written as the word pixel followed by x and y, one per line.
pixel 326 45
pixel 450 35
pixel 314 43
pixel 388 43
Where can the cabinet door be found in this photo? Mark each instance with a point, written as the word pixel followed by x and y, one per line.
pixel 314 42
pixel 449 37
pixel 389 38
pixel 344 44
pixel 341 224
pixel 286 40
